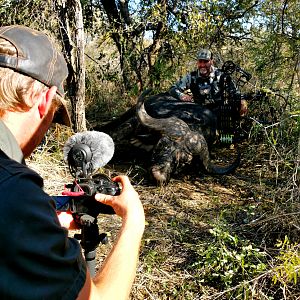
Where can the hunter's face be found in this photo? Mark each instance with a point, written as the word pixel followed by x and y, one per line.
pixel 204 67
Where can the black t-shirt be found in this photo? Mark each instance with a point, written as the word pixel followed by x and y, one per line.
pixel 38 259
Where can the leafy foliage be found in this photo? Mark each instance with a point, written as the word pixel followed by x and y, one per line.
pixel 227 259
pixel 288 269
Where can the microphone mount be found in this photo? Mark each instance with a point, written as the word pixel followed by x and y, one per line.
pixel 79 161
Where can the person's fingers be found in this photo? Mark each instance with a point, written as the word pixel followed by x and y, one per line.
pixel 66 220
pixel 187 98
pixel 105 199
pixel 124 180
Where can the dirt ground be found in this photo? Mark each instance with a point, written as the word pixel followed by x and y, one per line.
pixel 178 219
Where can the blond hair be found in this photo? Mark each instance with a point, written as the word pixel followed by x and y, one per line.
pixel 15 87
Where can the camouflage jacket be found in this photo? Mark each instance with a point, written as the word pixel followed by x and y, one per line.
pixel 206 91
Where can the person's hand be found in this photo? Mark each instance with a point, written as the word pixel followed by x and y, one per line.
pixel 186 98
pixel 127 205
pixel 244 108
pixel 66 220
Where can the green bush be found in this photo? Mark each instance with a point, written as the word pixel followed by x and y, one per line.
pixel 227 260
pixel 288 270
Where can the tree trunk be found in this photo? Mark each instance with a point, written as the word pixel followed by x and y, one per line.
pixel 79 100
pixel 72 30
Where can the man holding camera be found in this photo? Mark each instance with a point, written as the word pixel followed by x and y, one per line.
pixel 39 260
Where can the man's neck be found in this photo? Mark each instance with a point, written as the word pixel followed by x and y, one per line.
pixel 9 144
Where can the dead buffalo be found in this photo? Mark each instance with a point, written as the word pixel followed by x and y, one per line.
pixel 172 132
pixel 178 144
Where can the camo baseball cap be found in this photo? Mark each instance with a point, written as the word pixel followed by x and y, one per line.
pixel 38 58
pixel 204 54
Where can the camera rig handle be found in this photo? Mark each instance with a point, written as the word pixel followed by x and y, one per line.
pixel 85 210
pixel 90 238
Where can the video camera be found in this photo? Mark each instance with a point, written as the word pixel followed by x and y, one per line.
pixel 85 153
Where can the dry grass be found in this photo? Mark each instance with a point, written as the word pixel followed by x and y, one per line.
pixel 179 217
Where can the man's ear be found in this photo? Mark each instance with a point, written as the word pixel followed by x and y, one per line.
pixel 46 100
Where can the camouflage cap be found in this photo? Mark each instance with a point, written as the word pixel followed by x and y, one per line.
pixel 204 54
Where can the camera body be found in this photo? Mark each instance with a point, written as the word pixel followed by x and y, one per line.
pixel 79 197
pixel 99 183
